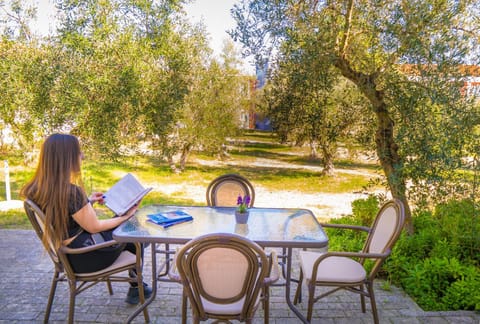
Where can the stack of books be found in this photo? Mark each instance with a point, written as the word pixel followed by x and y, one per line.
pixel 170 218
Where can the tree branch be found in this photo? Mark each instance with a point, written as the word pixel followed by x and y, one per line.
pixel 346 32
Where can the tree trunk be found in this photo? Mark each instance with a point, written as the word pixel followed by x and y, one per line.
pixel 313 150
pixel 387 149
pixel 172 164
pixel 391 162
pixel 327 160
pixel 183 158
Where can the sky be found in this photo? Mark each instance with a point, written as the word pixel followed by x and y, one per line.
pixel 215 14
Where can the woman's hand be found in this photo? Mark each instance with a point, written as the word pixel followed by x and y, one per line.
pixel 132 210
pixel 97 197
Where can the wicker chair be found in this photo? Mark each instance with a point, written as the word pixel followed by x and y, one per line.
pixel 224 276
pixel 79 282
pixel 224 190
pixel 345 270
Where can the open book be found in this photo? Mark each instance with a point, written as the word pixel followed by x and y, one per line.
pixel 124 194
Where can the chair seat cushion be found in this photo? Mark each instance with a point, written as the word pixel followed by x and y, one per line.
pixel 226 309
pixel 332 269
pixel 223 309
pixel 125 259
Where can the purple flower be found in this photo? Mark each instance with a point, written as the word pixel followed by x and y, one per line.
pixel 243 203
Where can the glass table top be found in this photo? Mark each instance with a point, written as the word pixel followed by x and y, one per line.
pixel 273 227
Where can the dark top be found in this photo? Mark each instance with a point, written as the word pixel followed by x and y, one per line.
pixel 78 200
pixel 93 260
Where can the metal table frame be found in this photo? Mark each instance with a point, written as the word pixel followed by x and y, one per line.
pixel 286 228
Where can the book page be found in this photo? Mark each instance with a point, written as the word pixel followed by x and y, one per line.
pixel 124 194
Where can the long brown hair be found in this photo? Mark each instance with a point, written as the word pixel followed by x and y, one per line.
pixel 51 187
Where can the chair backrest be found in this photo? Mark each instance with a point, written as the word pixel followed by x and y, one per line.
pixel 37 219
pixel 224 190
pixel 223 275
pixel 385 231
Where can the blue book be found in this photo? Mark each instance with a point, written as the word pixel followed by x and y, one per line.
pixel 169 218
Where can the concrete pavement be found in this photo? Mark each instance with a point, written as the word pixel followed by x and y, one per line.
pixel 26 273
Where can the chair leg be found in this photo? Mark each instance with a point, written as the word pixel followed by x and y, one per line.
pixel 141 293
pixel 109 286
pixel 284 262
pixel 53 288
pixel 184 308
pixel 311 298
pixel 362 299
pixel 266 305
pixel 73 293
pixel 298 292
pixel 373 303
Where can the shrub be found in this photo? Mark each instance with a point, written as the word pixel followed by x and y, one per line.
pixel 438 264
pixel 464 293
pixel 420 245
pixel 365 210
pixel 345 239
pixel 443 284
pixel 459 223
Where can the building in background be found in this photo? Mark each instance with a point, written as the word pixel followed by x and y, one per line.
pixel 471 83
pixel 261 122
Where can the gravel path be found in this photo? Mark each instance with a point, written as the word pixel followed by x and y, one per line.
pixel 324 206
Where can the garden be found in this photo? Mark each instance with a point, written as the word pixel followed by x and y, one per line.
pixel 437 265
pixel 366 100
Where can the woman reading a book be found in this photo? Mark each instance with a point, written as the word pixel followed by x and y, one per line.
pixel 57 189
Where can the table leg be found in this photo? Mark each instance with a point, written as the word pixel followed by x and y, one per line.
pixel 288 280
pixel 141 307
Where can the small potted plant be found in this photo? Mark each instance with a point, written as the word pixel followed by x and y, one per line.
pixel 241 214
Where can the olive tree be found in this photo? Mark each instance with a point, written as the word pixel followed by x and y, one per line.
pixel 312 104
pixel 421 117
pixel 211 110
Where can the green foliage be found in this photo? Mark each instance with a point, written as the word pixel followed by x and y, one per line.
pixel 344 239
pixel 464 293
pixel 365 210
pixel 14 16
pixel 405 57
pixel 353 240
pixel 211 109
pixel 439 264
pixel 459 227
pixel 120 75
pixel 436 283
pixel 310 104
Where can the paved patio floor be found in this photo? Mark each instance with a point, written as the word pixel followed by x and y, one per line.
pixel 26 273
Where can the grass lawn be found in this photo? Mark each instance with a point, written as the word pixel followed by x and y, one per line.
pixel 255 155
